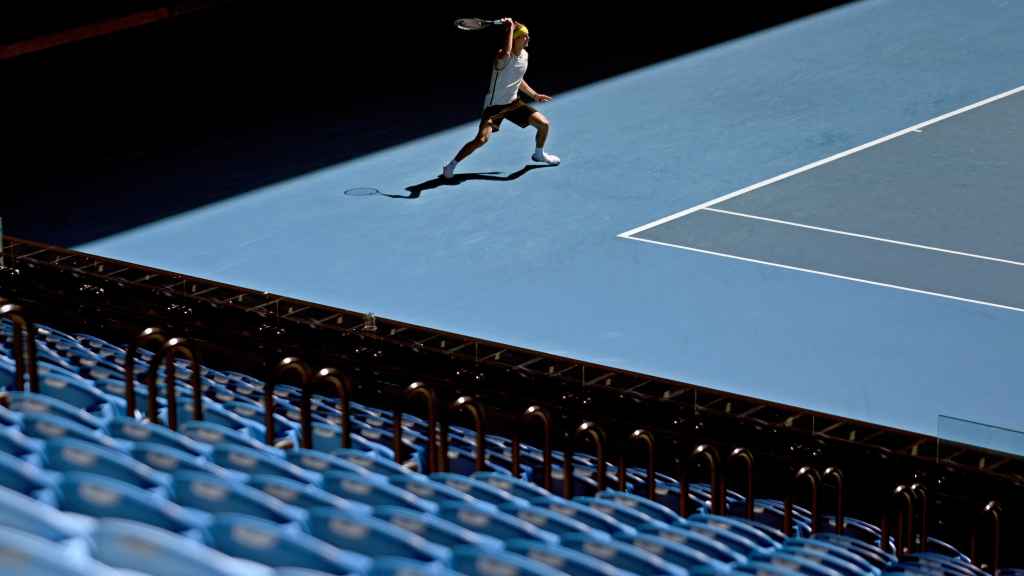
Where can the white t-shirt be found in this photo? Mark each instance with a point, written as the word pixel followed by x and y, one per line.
pixel 506 77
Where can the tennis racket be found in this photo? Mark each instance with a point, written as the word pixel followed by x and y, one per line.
pixel 475 23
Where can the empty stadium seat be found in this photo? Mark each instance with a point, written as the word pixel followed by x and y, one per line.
pixel 23 554
pixel 137 546
pixel 69 454
pixel 21 512
pixel 375 491
pixel 373 537
pixel 564 559
pixel 271 544
pixel 223 496
pixel 103 497
pixel 623 556
pixel 487 519
pixel 476 563
pixel 437 529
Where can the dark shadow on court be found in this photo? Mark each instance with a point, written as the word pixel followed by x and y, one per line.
pixel 191 111
pixel 417 189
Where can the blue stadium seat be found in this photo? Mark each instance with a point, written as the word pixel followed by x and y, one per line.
pixel 173 461
pixel 244 378
pixel 425 487
pixel 24 477
pixel 762 536
pixel 85 360
pixel 641 504
pixel 28 402
pixel 414 445
pixel 46 357
pixel 35 517
pixel 287 392
pixel 220 496
pixel 375 491
pixel 771 513
pixel 677 553
pixel 320 462
pixel 214 414
pixel 487 519
pixel 623 556
pixel 566 560
pixel 99 345
pixel 214 433
pixel 137 431
pixel 736 540
pixel 28 555
pixel 374 462
pixel 584 480
pixel 859 529
pixel 327 437
pixel 13 442
pixel 624 514
pixel 105 370
pixel 939 547
pixel 7 372
pixel 403 567
pixel 373 537
pixel 863 564
pixel 77 393
pixel 477 563
pixel 436 529
pixel 69 454
pixel 362 444
pixel 137 546
pixel 294 413
pixel 114 389
pixel 824 558
pixel 547 519
pixel 796 564
pixel 478 489
pixel 47 426
pixel 869 552
pixel 594 518
pixel 306 496
pixel 103 497
pixel 221 394
pixel 462 459
pixel 499 462
pixel 931 560
pixel 667 494
pixel 710 544
pixel 514 486
pixel 8 417
pixel 763 569
pixel 271 544
pixel 253 461
pixel 252 414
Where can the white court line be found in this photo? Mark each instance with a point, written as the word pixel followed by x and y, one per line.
pixel 828 274
pixel 865 236
pixel 813 165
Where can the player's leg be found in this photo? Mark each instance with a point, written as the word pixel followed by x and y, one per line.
pixel 482 135
pixel 541 123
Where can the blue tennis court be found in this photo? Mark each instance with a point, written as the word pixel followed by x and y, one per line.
pixel 824 214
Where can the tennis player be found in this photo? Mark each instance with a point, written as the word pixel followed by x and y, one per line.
pixel 502 100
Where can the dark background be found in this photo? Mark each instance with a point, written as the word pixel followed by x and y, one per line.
pixel 116 131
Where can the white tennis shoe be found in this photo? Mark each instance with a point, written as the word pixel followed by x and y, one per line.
pixel 546 158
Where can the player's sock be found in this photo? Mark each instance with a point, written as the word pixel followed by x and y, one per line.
pixel 449 169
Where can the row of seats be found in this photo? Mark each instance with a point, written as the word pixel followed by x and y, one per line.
pixel 87 488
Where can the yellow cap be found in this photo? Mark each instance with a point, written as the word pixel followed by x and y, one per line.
pixel 520 31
